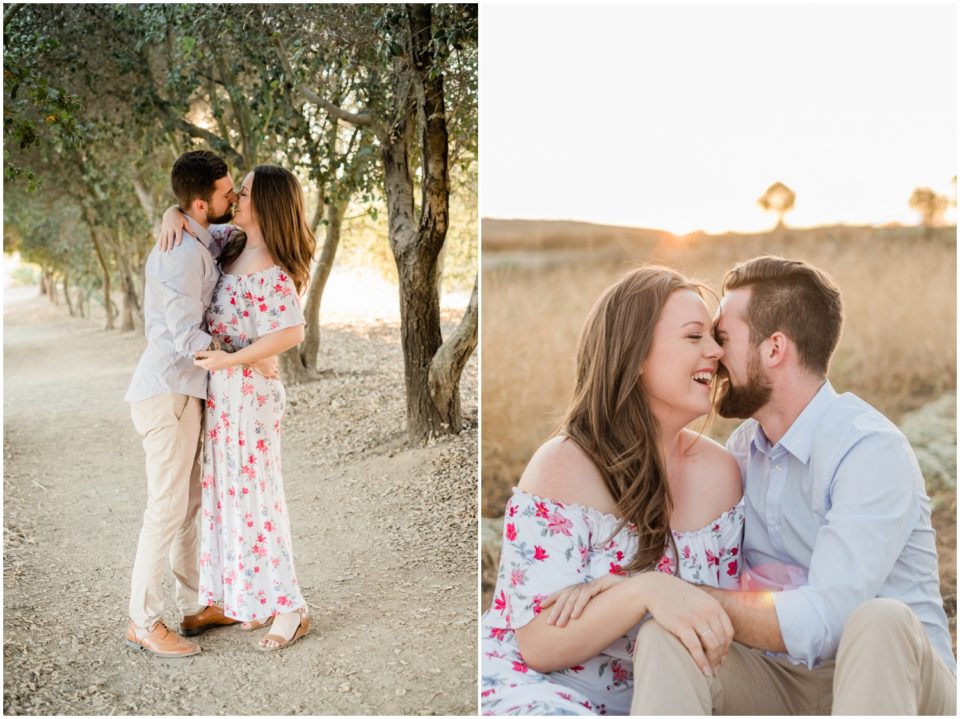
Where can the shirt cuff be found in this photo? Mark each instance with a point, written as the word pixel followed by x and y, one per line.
pixel 803 626
pixel 199 341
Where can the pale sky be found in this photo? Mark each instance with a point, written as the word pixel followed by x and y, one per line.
pixel 679 117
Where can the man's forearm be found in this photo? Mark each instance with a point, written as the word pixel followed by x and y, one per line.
pixel 753 616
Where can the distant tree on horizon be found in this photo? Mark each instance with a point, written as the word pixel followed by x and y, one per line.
pixel 778 198
pixel 931 206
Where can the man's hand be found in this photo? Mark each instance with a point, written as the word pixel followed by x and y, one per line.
pixel 171 229
pixel 269 367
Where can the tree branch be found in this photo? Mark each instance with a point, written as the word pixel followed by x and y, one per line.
pixel 361 119
pixel 215 141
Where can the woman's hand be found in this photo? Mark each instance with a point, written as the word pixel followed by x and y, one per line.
pixel 269 367
pixel 171 229
pixel 693 616
pixel 213 360
pixel 569 603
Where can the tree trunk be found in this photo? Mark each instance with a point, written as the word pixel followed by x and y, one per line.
pixel 130 304
pixel 448 364
pixel 311 343
pixel 416 246
pixel 66 293
pixel 52 287
pixel 107 301
pixel 43 281
pixel 80 301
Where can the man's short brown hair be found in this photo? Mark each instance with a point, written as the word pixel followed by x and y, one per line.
pixel 793 297
pixel 194 176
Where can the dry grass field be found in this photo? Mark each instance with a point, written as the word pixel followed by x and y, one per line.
pixel 898 349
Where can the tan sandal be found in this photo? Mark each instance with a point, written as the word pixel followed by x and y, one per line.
pixel 254 625
pixel 302 629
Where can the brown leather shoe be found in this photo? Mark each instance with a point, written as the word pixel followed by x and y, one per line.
pixel 159 641
pixel 212 616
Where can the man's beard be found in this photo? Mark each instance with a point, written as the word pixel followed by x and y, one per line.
pixel 743 402
pixel 222 219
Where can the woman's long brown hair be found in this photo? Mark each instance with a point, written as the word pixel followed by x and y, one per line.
pixel 609 416
pixel 277 202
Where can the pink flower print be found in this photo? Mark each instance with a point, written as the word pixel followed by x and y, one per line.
pixel 282 600
pixel 275 562
pixel 520 667
pixel 511 532
pixel 246 388
pixel 542 510
pixel 686 551
pixel 537 600
pixel 619 555
pixel 616 569
pixel 733 551
pixel 712 559
pixel 487 692
pixel 268 525
pixel 259 551
pixel 232 492
pixel 517 577
pixel 211 403
pixel 283 277
pixel 619 672
pixel 539 553
pixel 665 564
pixel 247 371
pixel 261 400
pixel 246 490
pixel 283 308
pixel 212 434
pixel 256 570
pixel 577 668
pixel 559 524
pixel 500 603
pixel 512 511
pixel 261 445
pixel 732 568
pixel 277 287
pixel 263 307
pixel 261 538
pixel 233 300
pixel 207 481
pixel 246 313
pixel 498 634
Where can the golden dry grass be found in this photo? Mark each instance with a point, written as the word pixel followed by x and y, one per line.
pixel 898 348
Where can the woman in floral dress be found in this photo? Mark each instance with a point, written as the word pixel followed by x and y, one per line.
pixel 246 554
pixel 624 490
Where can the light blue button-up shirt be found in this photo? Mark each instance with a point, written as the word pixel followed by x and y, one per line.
pixel 180 284
pixel 837 513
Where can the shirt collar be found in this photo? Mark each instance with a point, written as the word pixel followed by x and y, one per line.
pixel 798 440
pixel 198 231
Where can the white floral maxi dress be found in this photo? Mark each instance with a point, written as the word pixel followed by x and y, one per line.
pixel 549 545
pixel 246 556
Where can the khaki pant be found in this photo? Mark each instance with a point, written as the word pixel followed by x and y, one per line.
pixel 885 666
pixel 170 425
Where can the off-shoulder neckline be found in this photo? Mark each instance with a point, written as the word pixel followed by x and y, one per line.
pixel 251 274
pixel 616 520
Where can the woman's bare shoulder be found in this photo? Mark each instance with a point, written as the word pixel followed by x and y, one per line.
pixel 713 468
pixel 560 469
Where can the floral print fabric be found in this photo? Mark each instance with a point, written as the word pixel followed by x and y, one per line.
pixel 246 558
pixel 550 545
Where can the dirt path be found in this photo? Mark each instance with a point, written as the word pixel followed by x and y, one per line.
pixel 385 539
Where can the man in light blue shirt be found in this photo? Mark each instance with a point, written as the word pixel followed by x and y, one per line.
pixel 840 608
pixel 166 398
